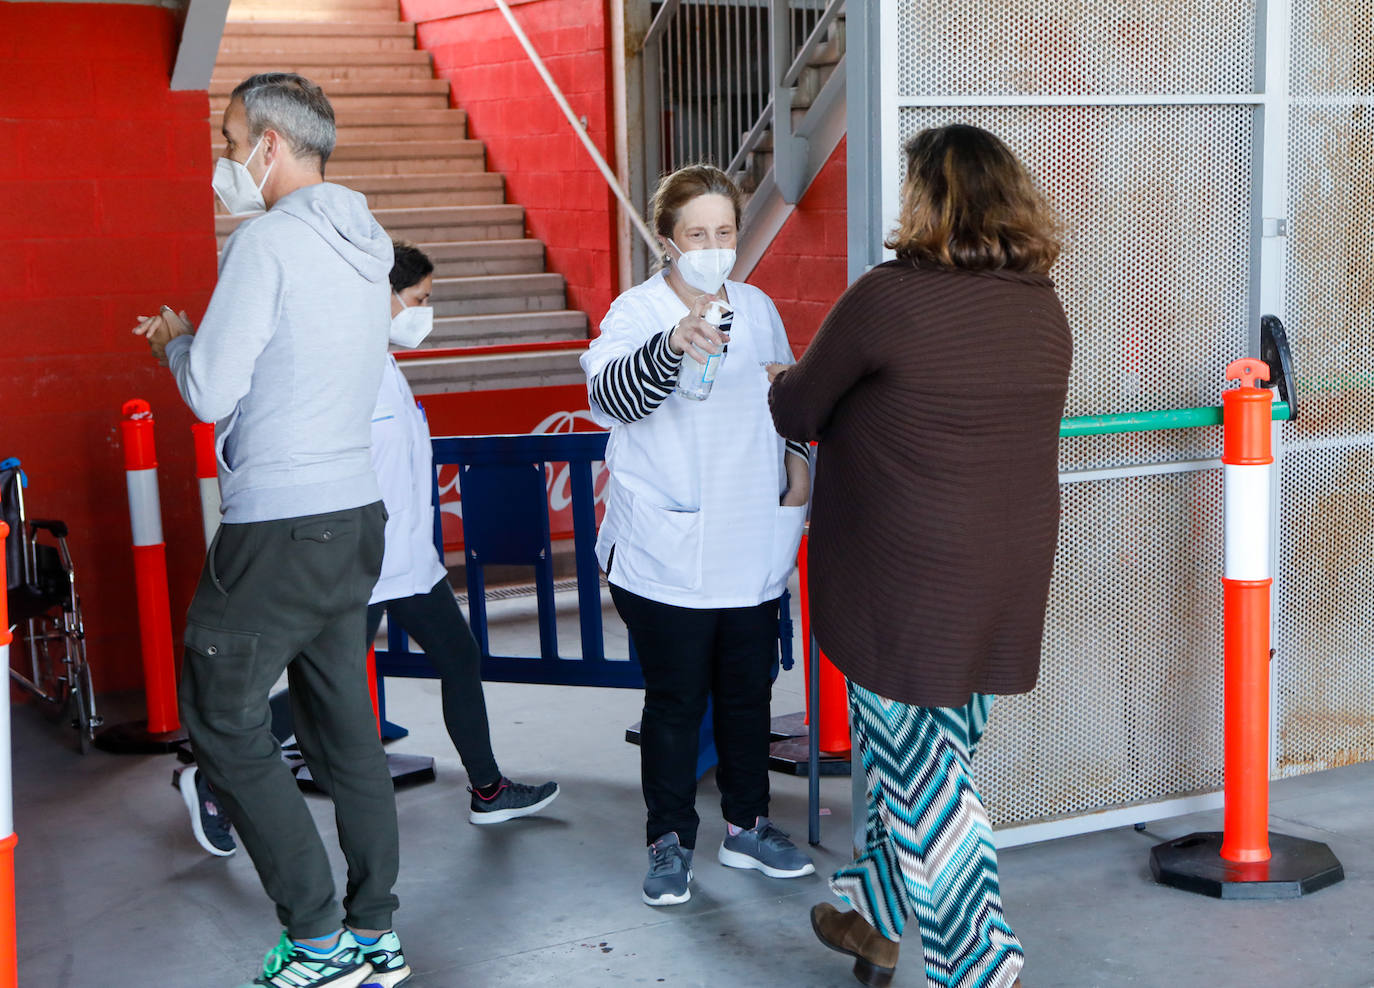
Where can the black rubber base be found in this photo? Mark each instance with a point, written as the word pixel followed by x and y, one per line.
pixel 1194 863
pixel 134 738
pixel 406 770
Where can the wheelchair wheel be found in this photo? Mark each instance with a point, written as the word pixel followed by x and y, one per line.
pixel 84 717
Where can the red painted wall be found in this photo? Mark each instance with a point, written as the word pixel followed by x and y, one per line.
pixel 105 212
pixel 567 203
pixel 806 268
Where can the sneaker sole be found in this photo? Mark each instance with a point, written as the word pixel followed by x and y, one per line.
pixel 515 812
pixel 735 859
pixel 668 900
pixel 387 979
pixel 187 784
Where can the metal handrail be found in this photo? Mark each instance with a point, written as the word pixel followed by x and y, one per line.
pixel 813 41
pixel 1170 418
pixel 577 127
pixel 751 140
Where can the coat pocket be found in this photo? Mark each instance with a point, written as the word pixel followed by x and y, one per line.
pixel 787 533
pixel 664 546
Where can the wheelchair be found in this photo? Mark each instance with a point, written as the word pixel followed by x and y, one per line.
pixel 45 608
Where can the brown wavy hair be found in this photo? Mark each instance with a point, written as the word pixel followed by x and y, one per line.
pixel 968 202
pixel 682 186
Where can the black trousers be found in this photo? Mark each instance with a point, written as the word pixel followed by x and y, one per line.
pixel 687 655
pixel 292 594
pixel 436 623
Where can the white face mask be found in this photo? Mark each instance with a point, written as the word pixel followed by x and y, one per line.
pixel 235 187
pixel 705 270
pixel 412 324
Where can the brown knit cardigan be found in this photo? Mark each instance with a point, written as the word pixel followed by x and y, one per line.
pixel 936 396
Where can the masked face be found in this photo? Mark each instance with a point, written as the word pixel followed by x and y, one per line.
pixel 705 269
pixel 412 324
pixel 703 241
pixel 234 184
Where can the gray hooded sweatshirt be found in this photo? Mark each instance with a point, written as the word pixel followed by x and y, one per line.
pixel 289 356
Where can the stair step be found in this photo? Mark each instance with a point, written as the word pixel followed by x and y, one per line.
pixel 299 39
pixel 408 150
pixel 298 11
pixel 490 372
pixel 408 190
pixel 291 7
pixel 488 294
pixel 404 102
pixel 444 224
pixel 506 328
pixel 377 122
pixel 464 259
pixel 326 67
pixel 453 130
pixel 221 87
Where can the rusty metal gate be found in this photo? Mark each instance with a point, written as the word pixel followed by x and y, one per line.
pixel 1213 161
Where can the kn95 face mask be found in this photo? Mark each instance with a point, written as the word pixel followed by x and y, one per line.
pixel 412 324
pixel 234 185
pixel 705 270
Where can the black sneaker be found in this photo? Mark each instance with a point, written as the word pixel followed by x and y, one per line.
pixel 512 799
pixel 208 820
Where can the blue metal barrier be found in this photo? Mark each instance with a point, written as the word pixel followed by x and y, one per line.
pixel 506 522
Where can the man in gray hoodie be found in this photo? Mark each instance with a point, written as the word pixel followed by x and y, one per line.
pixel 287 363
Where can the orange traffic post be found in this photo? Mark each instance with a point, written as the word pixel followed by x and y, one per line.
pixel 9 954
pixel 832 704
pixel 1246 860
pixel 162 729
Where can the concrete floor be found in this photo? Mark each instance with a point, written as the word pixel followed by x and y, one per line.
pixel 114 892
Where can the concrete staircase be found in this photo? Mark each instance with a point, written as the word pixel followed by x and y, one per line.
pixel 403 146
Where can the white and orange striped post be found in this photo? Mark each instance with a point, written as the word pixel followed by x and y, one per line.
pixel 162 730
pixel 1246 860
pixel 1247 464
pixel 207 477
pixel 9 955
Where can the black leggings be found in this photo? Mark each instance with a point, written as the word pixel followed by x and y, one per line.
pixel 435 622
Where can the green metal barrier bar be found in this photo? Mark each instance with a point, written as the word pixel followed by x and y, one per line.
pixel 1173 418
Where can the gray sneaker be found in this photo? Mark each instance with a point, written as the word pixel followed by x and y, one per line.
pixel 767 849
pixel 670 869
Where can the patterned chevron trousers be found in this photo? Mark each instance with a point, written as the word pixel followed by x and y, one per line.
pixel 929 844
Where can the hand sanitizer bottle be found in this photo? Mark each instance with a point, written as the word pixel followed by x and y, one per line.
pixel 695 380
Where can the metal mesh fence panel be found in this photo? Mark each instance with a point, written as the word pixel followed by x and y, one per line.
pixel 1156 270
pixel 1324 661
pixel 1074 47
pixel 1128 708
pixel 1324 627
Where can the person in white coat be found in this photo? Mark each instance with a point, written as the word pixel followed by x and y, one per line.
pixel 703 518
pixel 413 588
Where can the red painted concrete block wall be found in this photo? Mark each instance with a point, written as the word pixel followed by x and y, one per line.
pixel 805 270
pixel 548 171
pixel 105 213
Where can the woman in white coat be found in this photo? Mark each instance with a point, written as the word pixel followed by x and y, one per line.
pixel 704 514
pixel 413 587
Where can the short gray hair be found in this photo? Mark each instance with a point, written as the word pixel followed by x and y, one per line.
pixel 293 106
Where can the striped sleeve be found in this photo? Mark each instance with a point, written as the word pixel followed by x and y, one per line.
pixel 630 387
pixel 798 448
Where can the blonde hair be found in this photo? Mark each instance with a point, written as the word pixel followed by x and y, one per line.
pixel 968 202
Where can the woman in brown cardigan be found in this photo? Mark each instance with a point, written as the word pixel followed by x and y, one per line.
pixel 935 387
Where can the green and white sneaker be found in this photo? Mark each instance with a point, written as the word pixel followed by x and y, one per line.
pixel 389 967
pixel 289 965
